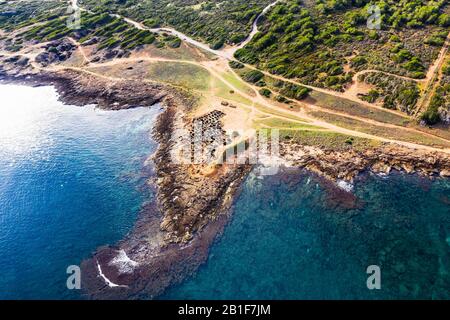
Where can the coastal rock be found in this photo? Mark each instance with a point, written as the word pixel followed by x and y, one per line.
pixel 348 164
pixel 445 173
pixel 408 167
pixel 173 234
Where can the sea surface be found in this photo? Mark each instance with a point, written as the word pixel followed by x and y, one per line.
pixel 72 179
pixel 289 239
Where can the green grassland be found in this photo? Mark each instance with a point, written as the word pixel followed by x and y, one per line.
pixel 237 82
pixel 222 90
pixel 325 139
pixel 355 109
pixel 285 124
pixel 380 131
pixel 185 75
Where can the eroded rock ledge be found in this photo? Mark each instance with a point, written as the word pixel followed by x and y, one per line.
pixel 346 165
pixel 172 236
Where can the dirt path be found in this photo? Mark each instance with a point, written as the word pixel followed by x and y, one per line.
pixel 437 65
pixel 80 49
pixel 341 95
pixel 211 68
pixel 176 33
pixel 376 123
pixel 228 54
pixel 355 77
pixel 215 69
pixel 260 100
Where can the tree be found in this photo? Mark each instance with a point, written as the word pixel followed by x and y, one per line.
pixel 265 92
pixel 444 20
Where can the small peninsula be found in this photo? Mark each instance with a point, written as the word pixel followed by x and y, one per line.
pixel 343 100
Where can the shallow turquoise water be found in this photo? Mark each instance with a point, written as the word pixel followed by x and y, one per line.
pixel 71 179
pixel 288 240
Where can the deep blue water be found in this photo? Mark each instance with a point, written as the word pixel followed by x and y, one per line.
pixel 71 179
pixel 288 240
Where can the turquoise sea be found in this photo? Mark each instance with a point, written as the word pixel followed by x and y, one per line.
pixel 289 239
pixel 72 179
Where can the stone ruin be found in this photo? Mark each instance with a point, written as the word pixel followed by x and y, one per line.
pixel 207 136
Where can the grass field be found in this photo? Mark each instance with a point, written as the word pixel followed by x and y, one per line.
pixel 380 131
pixel 223 91
pixel 238 83
pixel 326 140
pixel 352 108
pixel 285 124
pixel 180 74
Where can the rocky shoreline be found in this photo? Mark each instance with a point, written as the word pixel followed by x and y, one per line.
pixel 173 235
pixel 79 89
pixel 346 165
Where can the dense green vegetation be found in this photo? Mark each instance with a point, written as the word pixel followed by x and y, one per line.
pixel 253 76
pixel 395 93
pixel 213 21
pixel 431 116
pixel 265 92
pixel 323 42
pixel 318 42
pixel 47 21
pixel 15 15
pixel 294 91
pixel 439 108
pixel 110 32
pixel 268 85
pixel 371 97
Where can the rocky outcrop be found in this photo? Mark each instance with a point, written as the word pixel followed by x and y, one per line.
pixel 444 115
pixel 18 61
pixel 346 165
pixel 55 51
pixel 77 88
pixel 173 235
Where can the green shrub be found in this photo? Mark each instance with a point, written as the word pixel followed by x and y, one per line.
pixel 253 76
pixel 358 61
pixel 265 92
pixel 236 65
pixel 294 91
pixel 217 44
